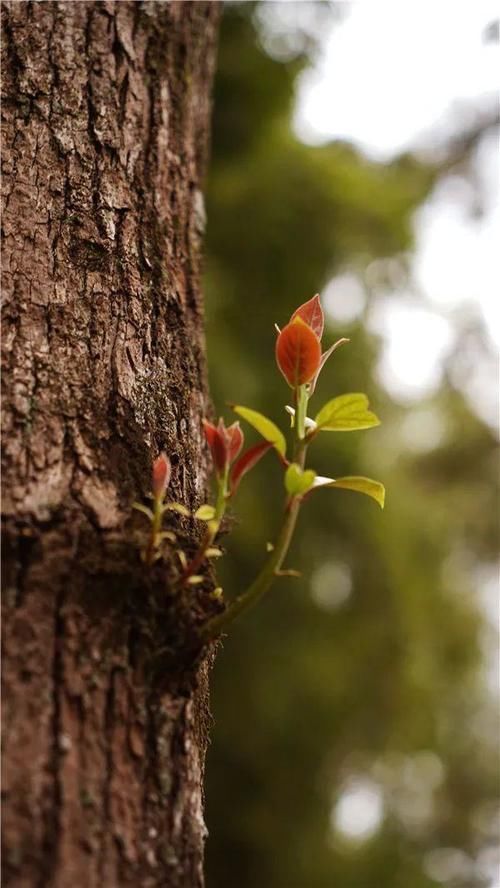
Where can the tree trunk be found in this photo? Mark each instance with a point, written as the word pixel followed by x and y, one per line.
pixel 105 116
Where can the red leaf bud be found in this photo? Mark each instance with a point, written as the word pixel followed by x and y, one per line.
pixel 311 313
pixel 298 352
pixel 161 475
pixel 247 461
pixel 235 439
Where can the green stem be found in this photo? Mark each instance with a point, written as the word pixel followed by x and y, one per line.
pixel 301 398
pixel 220 505
pixel 155 530
pixel 199 558
pixel 211 532
pixel 265 578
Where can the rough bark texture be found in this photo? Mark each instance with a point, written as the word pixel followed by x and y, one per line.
pixel 105 121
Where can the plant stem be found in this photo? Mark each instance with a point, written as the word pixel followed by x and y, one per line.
pixel 263 580
pixel 210 533
pixel 155 530
pixel 220 505
pixel 301 399
pixel 266 577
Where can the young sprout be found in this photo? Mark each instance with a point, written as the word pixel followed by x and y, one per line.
pixel 225 446
pixel 160 479
pixel 300 359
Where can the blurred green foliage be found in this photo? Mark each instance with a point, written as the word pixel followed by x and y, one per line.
pixel 369 668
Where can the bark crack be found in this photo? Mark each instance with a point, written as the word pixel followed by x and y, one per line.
pixel 50 843
pixel 101 106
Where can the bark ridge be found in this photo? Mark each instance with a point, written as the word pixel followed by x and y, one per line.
pixel 105 121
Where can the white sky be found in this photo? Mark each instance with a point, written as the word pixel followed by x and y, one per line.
pixel 401 65
pixel 395 74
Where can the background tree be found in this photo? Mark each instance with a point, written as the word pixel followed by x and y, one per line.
pixel 368 671
pixel 105 115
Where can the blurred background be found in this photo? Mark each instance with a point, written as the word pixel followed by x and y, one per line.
pixel 355 153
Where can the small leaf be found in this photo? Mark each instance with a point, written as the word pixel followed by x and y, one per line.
pixel 297 481
pixel 217 443
pixel 269 547
pixel 312 313
pixel 205 512
pixel 182 558
pixel 368 486
pixel 162 471
pixel 298 352
pixel 213 526
pixel 346 413
pixel 144 509
pixel 217 592
pixel 177 507
pixel 213 552
pixel 246 462
pixel 264 426
pixel 235 440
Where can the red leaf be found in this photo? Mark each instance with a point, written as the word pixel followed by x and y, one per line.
pixel 235 438
pixel 217 442
pixel 312 313
pixel 210 432
pixel 161 475
pixel 247 462
pixel 298 352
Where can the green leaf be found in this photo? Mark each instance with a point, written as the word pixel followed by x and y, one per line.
pixel 144 509
pixel 297 481
pixel 214 552
pixel 346 414
pixel 213 526
pixel 354 482
pixel 205 512
pixel 177 507
pixel 269 431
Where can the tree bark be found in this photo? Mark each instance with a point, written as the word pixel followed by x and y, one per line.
pixel 105 122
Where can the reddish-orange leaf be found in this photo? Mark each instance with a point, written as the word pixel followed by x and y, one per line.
pixel 235 439
pixel 210 432
pixel 312 313
pixel 247 462
pixel 217 442
pixel 298 352
pixel 161 475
